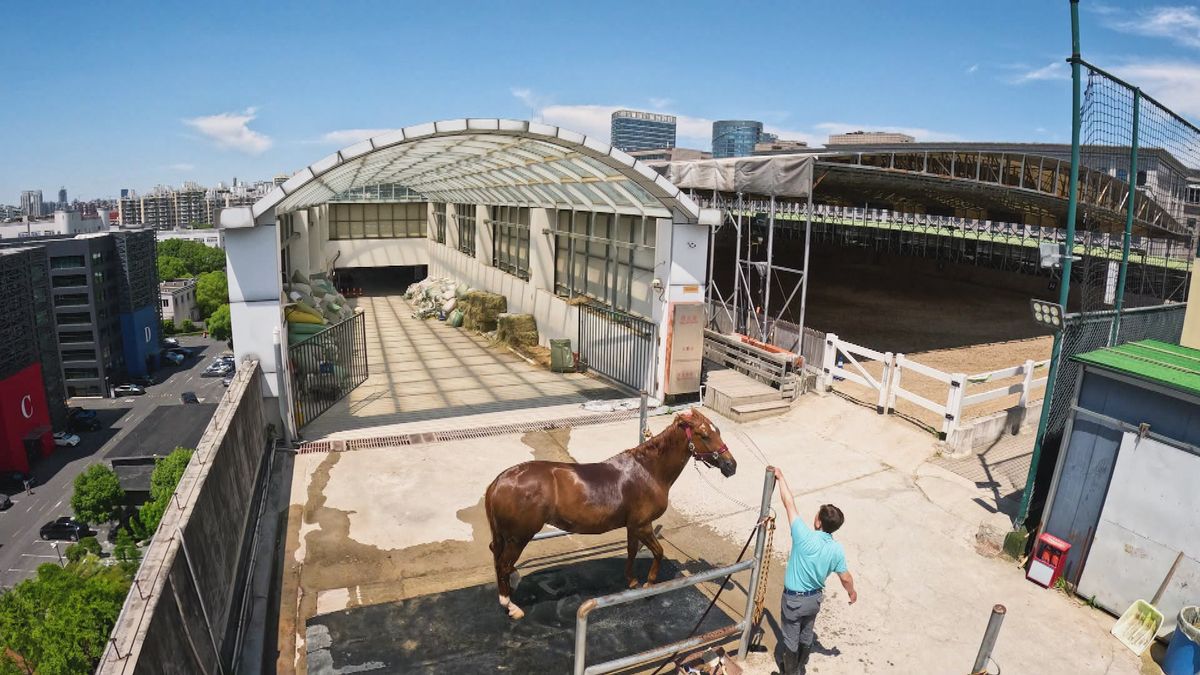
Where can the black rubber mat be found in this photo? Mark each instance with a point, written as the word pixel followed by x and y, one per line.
pixel 466 630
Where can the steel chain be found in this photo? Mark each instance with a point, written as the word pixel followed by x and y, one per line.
pixel 760 594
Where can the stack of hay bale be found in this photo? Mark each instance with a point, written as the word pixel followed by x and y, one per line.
pixel 481 309
pixel 517 330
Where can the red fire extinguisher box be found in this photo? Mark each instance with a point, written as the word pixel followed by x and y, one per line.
pixel 1048 560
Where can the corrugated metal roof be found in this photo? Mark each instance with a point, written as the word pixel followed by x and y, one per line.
pixel 1162 362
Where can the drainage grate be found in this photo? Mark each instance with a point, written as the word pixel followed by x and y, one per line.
pixel 464 434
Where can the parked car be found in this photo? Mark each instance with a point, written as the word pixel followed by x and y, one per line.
pixel 144 381
pixel 128 390
pixel 185 353
pixel 173 357
pixel 189 397
pixel 5 502
pixel 226 381
pixel 82 424
pixel 170 342
pixel 64 528
pixel 81 414
pixel 65 439
pixel 218 369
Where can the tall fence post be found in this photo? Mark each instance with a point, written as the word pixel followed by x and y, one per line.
pixel 884 388
pixel 831 342
pixel 760 542
pixel 897 372
pixel 989 640
pixel 954 401
pixel 643 431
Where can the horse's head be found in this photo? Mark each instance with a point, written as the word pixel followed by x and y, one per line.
pixel 704 441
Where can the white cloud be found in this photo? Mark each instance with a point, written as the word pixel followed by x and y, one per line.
pixel 1176 84
pixel 1178 24
pixel 657 103
pixel 344 137
pixel 1057 70
pixel 232 131
pixel 526 96
pixel 181 166
pixel 972 69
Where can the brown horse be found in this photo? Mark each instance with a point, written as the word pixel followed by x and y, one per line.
pixel 627 490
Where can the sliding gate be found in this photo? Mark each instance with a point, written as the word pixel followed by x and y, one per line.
pixel 617 345
pixel 326 366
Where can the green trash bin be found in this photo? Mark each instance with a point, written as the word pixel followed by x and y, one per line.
pixel 562 359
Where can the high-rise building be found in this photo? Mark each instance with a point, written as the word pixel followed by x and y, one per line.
pixel 62 198
pixel 735 138
pixel 31 203
pixel 869 138
pixel 102 324
pixel 635 130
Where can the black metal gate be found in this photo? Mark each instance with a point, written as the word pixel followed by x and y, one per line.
pixel 326 366
pixel 618 345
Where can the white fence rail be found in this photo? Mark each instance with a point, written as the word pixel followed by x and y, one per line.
pixel 844 362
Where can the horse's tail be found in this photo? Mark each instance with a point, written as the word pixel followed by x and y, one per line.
pixel 490 511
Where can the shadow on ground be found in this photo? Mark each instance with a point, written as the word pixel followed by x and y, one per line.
pixel 466 631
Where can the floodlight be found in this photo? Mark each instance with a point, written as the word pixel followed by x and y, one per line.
pixel 1047 313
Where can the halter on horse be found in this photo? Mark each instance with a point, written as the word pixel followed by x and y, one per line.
pixel 627 490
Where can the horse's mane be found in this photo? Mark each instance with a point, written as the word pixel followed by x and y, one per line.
pixel 651 446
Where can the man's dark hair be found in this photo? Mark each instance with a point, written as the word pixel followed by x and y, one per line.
pixel 831 518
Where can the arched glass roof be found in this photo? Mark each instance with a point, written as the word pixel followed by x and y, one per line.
pixel 488 161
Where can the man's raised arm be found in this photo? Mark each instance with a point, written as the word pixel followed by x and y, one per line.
pixel 785 493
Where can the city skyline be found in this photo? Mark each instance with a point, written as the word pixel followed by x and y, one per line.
pixel 227 111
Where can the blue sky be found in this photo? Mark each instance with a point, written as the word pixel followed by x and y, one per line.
pixel 100 96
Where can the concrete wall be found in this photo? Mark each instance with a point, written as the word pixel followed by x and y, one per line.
pixel 378 252
pixel 183 612
pixel 555 318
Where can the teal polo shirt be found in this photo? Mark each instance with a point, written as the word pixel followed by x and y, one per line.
pixel 815 555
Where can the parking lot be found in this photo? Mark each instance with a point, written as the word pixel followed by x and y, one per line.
pixel 21 548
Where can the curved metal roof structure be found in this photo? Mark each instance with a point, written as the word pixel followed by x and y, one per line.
pixel 488 161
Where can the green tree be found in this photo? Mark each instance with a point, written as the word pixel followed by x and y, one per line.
pixel 59 620
pixel 196 257
pixel 220 325
pixel 168 327
pixel 78 551
pixel 188 326
pixel 163 481
pixel 98 494
pixel 170 267
pixel 212 291
pixel 125 548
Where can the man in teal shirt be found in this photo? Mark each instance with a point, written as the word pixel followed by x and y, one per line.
pixel 815 555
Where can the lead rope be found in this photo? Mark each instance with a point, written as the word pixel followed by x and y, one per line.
pixel 760 595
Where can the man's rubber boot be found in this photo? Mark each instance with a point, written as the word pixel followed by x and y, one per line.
pixel 802 659
pixel 791 663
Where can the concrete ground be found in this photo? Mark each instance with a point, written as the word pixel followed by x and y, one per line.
pixel 426 370
pixel 384 528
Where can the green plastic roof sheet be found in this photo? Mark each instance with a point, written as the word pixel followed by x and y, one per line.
pixel 1162 362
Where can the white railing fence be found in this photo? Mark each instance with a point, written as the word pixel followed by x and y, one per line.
pixel 844 362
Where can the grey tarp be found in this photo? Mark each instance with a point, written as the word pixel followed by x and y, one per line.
pixel 778 176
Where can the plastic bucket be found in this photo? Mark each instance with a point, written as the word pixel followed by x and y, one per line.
pixel 1183 654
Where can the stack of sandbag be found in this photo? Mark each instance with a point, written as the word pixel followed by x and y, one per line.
pixel 517 330
pixel 481 310
pixel 433 297
pixel 314 305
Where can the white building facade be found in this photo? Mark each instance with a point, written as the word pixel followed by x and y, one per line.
pixel 178 300
pixel 212 236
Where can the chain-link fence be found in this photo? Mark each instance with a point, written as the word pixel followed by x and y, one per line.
pixel 1134 237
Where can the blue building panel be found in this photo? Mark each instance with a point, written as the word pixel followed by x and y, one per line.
pixel 140 340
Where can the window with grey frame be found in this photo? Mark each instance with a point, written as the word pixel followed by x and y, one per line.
pixel 606 257
pixel 398 220
pixel 464 218
pixel 510 240
pixel 439 223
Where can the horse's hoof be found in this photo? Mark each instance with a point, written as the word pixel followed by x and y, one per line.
pixel 515 612
pixel 633 583
pixel 648 584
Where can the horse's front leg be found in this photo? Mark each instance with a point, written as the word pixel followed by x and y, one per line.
pixel 646 536
pixel 633 544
